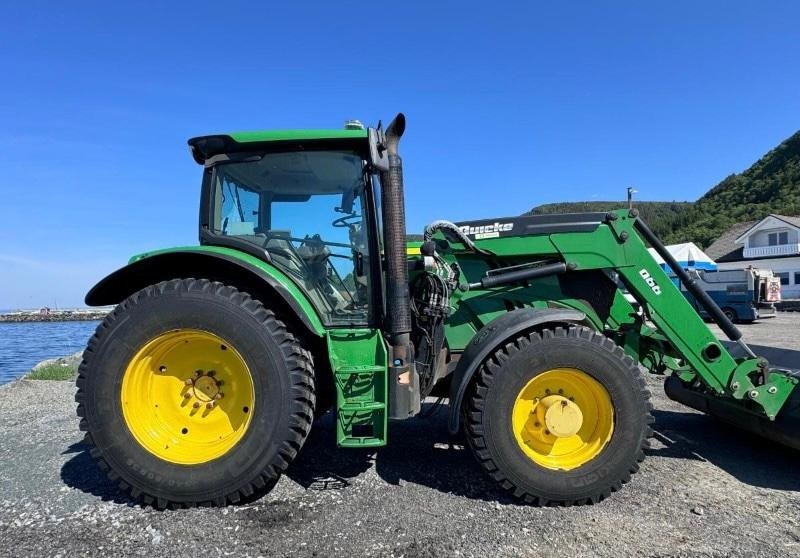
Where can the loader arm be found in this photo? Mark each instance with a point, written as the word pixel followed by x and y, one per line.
pixel 701 355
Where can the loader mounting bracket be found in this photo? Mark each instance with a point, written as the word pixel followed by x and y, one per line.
pixel 769 395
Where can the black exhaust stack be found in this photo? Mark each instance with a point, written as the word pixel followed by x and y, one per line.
pixel 404 396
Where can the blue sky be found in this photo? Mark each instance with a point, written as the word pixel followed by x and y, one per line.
pixel 509 105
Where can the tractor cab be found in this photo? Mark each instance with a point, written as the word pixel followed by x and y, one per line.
pixel 304 201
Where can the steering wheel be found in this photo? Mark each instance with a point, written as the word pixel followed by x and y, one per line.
pixel 343 221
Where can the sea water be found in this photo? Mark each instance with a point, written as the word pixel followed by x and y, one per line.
pixel 23 345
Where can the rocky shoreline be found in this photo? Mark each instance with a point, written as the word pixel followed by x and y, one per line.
pixel 54 316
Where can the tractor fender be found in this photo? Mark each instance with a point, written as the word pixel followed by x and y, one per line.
pixel 491 336
pixel 243 271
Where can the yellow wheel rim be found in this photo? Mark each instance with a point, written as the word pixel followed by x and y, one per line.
pixel 187 396
pixel 562 418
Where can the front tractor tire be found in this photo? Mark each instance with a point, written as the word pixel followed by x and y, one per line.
pixel 559 417
pixel 193 393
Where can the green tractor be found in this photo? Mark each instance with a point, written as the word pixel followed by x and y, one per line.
pixel 304 296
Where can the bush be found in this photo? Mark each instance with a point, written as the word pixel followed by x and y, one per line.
pixel 52 371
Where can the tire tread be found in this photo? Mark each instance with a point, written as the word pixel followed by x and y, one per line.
pixel 489 372
pixel 301 375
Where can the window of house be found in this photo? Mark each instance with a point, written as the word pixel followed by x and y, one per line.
pixel 784 277
pixel 797 277
pixel 778 238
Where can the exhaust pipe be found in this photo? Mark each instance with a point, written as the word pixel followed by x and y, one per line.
pixel 398 309
pixel 404 395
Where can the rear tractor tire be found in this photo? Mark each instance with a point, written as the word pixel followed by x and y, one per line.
pixel 193 393
pixel 560 417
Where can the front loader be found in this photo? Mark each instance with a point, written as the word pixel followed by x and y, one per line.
pixel 303 296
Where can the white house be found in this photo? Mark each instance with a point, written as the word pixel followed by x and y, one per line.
pixel 771 243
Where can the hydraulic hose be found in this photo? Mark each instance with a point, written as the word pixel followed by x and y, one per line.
pixel 451 230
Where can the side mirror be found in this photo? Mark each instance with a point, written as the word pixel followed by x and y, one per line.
pixel 377 148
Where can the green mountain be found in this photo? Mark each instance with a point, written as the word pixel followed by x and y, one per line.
pixel 771 185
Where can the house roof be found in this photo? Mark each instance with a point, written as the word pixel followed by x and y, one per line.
pixel 793 221
pixel 725 249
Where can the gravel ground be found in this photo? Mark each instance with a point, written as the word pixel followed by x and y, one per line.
pixel 704 490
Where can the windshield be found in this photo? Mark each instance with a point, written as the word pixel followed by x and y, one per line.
pixel 305 208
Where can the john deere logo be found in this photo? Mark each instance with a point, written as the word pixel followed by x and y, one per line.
pixel 487 231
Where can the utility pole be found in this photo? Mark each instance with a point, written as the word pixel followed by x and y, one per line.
pixel 631 192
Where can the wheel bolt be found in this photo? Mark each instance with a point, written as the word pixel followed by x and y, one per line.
pixel 211 373
pixel 187 395
pixel 188 382
pixel 220 382
pixel 210 405
pixel 198 373
pixel 563 403
pixel 219 396
pixel 196 405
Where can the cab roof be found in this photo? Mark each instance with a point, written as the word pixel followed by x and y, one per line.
pixel 205 147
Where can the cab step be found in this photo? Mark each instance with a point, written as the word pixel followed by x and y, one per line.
pixel 359 363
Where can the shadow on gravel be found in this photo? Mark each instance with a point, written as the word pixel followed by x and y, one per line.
pixel 81 472
pixel 750 459
pixel 320 465
pixel 420 451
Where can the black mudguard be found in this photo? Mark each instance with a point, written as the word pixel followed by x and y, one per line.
pixel 125 281
pixel 492 335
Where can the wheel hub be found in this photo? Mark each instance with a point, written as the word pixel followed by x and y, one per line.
pixel 186 417
pixel 562 418
pixel 206 388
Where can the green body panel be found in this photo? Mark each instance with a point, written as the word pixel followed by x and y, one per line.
pixel 296 135
pixel 269 269
pixel 358 359
pixel 475 309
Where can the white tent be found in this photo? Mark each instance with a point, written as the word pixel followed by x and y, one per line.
pixel 688 255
